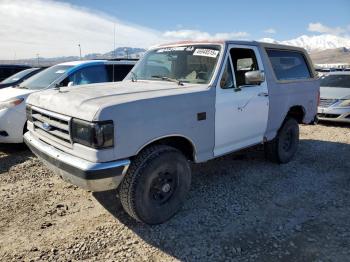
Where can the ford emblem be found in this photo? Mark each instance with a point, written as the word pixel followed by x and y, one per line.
pixel 46 126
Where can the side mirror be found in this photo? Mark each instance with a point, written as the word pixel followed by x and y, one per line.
pixel 254 77
pixel 70 84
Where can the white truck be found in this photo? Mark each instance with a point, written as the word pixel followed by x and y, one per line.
pixel 183 102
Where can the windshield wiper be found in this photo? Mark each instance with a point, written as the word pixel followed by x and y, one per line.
pixel 165 78
pixel 21 87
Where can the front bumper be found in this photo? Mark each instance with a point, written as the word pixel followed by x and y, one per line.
pixel 334 114
pixel 82 173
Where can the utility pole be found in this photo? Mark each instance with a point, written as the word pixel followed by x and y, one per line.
pixel 113 54
pixel 79 50
pixel 37 58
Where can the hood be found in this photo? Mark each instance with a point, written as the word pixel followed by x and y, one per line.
pixel 335 92
pixel 10 92
pixel 85 102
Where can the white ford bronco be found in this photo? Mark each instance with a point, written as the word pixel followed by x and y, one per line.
pixel 181 103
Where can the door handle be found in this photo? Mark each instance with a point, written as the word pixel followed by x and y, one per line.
pixel 263 94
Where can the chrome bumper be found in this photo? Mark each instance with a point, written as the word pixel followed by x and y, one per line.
pixel 82 173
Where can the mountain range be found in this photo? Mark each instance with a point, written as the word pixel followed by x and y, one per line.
pixel 314 43
pixel 323 48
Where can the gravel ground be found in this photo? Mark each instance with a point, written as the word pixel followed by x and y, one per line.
pixel 240 208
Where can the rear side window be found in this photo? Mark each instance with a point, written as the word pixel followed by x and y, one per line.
pixel 289 65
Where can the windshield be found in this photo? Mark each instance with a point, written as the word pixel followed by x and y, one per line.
pixel 18 76
pixel 45 78
pixel 182 64
pixel 336 81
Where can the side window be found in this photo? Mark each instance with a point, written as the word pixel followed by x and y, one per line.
pixel 244 60
pixel 87 75
pixel 227 76
pixel 288 65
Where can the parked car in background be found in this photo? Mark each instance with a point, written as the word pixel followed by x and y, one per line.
pixel 335 97
pixel 182 102
pixel 12 100
pixel 19 77
pixel 9 70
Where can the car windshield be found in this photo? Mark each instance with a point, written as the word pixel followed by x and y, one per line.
pixel 342 81
pixel 45 78
pixel 14 78
pixel 193 64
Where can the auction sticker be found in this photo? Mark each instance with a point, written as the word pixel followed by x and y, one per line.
pixel 206 52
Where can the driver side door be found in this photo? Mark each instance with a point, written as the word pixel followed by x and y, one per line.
pixel 241 110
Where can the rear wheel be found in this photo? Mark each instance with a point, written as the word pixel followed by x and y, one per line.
pixel 156 184
pixel 284 146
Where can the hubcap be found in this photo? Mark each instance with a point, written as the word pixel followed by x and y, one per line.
pixel 163 187
pixel 166 188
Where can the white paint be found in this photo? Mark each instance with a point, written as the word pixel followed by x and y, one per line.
pixel 240 117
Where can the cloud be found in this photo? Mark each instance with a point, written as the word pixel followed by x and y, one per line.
pixel 51 28
pixel 270 31
pixel 55 29
pixel 320 28
pixel 200 35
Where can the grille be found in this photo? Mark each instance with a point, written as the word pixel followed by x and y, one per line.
pixel 327 102
pixel 52 126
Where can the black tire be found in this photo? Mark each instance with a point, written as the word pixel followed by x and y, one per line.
pixel 156 184
pixel 284 146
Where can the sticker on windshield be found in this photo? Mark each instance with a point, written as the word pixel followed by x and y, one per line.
pixel 171 49
pixel 60 71
pixel 206 52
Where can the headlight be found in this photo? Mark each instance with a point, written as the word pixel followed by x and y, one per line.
pixel 93 134
pixel 345 103
pixel 10 103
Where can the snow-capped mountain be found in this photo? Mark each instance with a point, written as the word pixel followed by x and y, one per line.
pixel 315 43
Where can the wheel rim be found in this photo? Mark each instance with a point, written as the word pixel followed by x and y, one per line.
pixel 287 140
pixel 163 187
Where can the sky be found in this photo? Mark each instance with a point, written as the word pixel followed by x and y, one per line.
pixel 55 28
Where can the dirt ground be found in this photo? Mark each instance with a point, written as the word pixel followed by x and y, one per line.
pixel 240 208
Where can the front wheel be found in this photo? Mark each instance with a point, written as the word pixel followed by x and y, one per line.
pixel 284 146
pixel 156 184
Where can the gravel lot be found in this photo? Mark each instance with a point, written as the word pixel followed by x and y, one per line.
pixel 241 207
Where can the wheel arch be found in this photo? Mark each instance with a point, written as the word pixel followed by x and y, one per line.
pixel 297 112
pixel 180 142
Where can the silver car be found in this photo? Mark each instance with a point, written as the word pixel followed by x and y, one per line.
pixel 335 97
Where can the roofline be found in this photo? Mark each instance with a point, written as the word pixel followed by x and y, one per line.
pixel 234 42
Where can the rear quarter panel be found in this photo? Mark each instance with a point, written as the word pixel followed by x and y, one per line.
pixel 285 94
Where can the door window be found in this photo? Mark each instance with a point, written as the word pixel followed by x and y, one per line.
pixel 243 60
pixel 87 75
